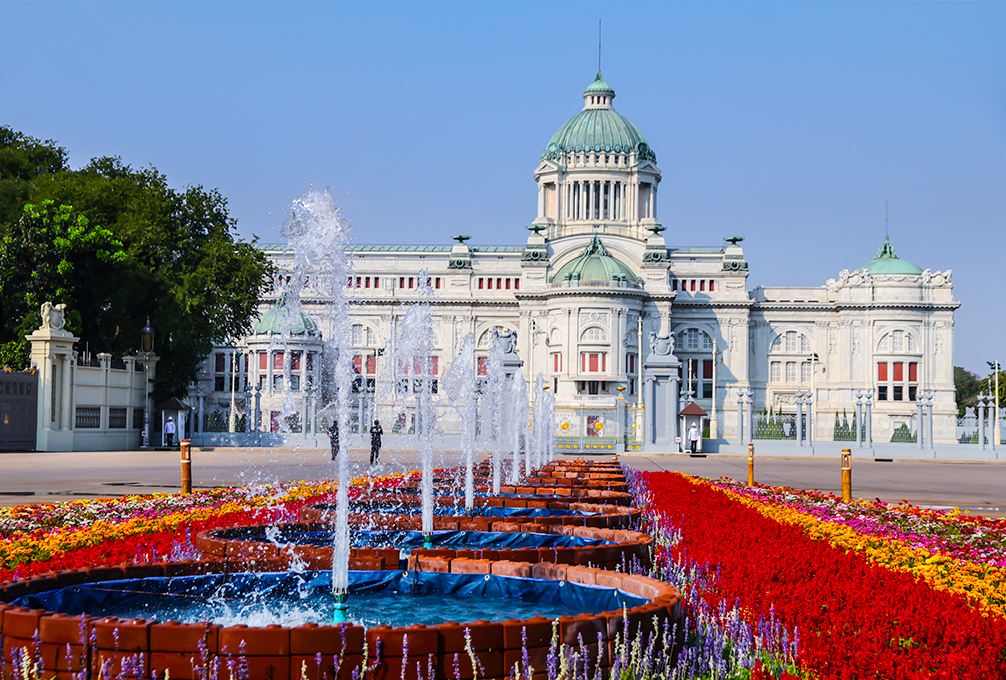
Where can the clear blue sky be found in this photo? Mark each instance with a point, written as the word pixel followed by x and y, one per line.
pixel 789 123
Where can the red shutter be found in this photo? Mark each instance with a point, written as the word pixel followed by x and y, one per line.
pixel 707 369
pixel 263 362
pixel 295 361
pixel 357 363
pixel 277 360
pixel 310 361
pixel 882 371
pixel 220 362
pixel 899 371
pixel 482 366
pixel 593 363
pixel 712 286
pixel 516 284
pixel 371 365
pixel 434 365
pixel 913 372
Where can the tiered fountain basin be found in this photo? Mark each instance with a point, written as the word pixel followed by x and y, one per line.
pixel 71 641
pixel 393 511
pixel 309 546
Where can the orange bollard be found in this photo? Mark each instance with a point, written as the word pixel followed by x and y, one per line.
pixel 186 449
pixel 846 474
pixel 750 464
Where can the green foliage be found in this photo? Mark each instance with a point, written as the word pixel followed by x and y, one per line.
pixel 118 245
pixel 843 431
pixel 966 389
pixel 22 159
pixel 903 435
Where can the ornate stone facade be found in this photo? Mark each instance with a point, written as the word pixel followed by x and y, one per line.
pixel 596 290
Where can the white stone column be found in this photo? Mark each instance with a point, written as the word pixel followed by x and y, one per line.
pixel 541 201
pixel 66 390
pixel 269 363
pixel 51 350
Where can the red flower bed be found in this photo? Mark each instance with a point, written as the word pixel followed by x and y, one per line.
pixel 855 620
pixel 150 547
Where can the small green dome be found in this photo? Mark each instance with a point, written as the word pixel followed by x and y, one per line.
pixel 888 262
pixel 598 127
pixel 277 320
pixel 594 265
pixel 599 86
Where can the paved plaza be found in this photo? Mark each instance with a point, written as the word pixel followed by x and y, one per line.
pixel 28 478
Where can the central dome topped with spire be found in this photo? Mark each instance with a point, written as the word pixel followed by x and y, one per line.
pixel 888 262
pixel 598 128
pixel 595 264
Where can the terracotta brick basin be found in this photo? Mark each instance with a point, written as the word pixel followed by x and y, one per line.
pixel 139 648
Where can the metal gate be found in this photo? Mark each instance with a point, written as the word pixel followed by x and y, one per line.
pixel 586 430
pixel 18 410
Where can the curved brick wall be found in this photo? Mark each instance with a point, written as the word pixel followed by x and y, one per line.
pixel 281 653
pixel 632 548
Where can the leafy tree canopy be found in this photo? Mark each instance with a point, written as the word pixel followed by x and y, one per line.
pixel 118 245
pixel 966 388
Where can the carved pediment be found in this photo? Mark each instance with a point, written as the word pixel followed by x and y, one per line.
pixel 547 166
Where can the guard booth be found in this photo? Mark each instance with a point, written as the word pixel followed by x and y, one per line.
pixel 18 410
pixel 693 414
pixel 179 410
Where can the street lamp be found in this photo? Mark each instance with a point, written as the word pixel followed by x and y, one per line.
pixel 996 428
pixel 147 345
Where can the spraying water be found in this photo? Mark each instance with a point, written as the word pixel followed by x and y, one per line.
pixel 532 459
pixel 413 370
pixel 461 388
pixel 544 423
pixel 317 234
pixel 496 403
pixel 516 421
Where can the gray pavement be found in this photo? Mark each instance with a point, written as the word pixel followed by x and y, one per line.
pixel 31 478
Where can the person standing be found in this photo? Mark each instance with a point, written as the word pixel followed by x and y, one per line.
pixel 169 432
pixel 333 435
pixel 693 437
pixel 375 442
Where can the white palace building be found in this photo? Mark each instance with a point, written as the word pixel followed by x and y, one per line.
pixel 591 294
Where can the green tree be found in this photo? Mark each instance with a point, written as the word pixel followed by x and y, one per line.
pixel 177 261
pixel 966 388
pixel 22 159
pixel 55 253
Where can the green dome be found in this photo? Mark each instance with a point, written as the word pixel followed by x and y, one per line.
pixel 888 262
pixel 277 320
pixel 594 265
pixel 598 128
pixel 599 86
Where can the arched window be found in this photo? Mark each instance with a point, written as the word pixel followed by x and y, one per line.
pixel 694 347
pixel 789 359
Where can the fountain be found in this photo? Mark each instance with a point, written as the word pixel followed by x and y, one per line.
pixel 318 235
pixel 517 422
pixel 412 367
pixel 513 568
pixel 461 387
pixel 497 407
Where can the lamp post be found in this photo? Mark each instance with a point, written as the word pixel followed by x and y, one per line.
pixel 815 360
pixel 147 345
pixel 996 428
